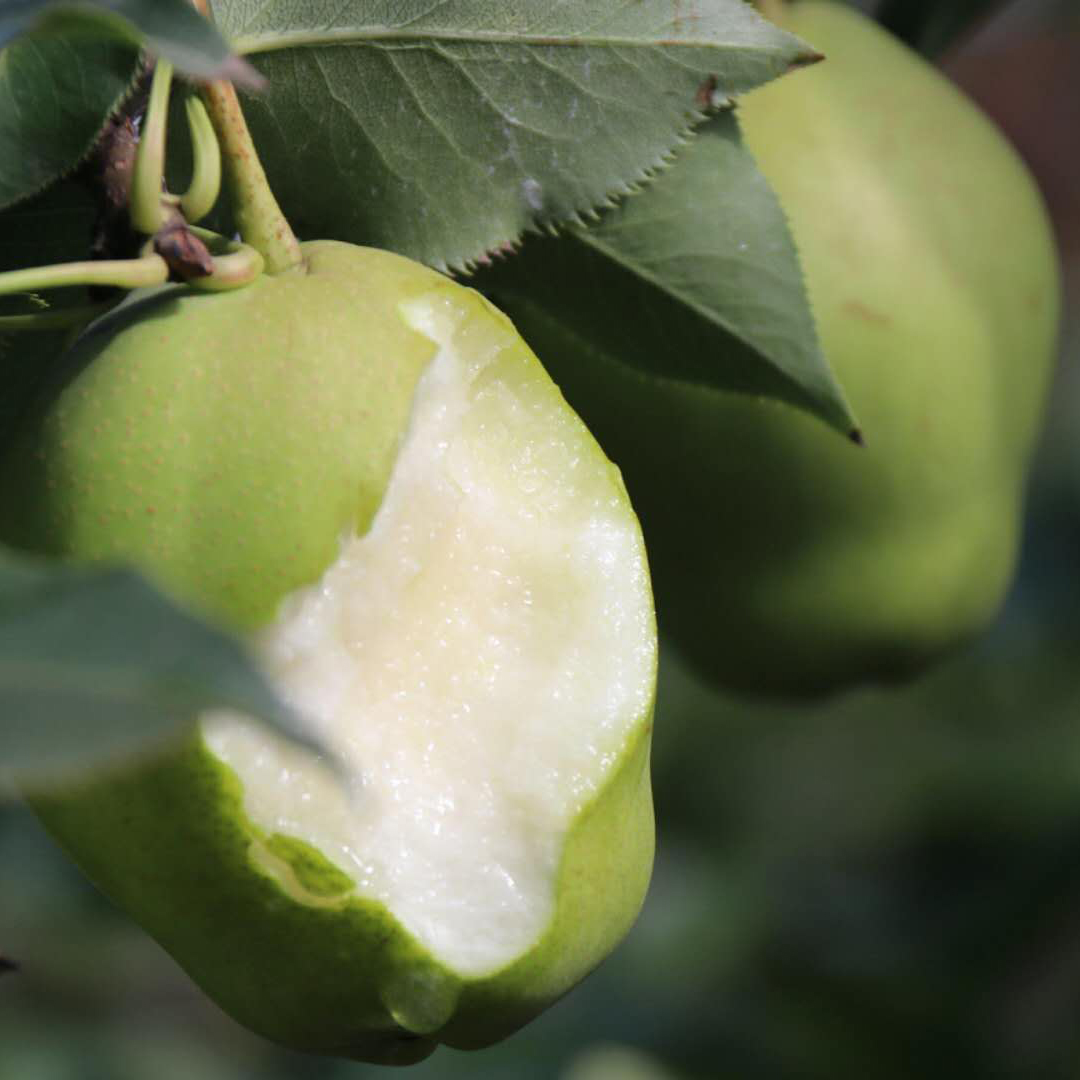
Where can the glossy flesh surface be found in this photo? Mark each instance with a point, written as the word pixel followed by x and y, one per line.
pixel 478 658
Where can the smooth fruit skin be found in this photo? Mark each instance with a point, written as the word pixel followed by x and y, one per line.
pixel 785 561
pixel 224 442
pixel 159 455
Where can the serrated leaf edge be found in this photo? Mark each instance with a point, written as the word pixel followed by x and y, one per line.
pixel 79 162
pixel 554 226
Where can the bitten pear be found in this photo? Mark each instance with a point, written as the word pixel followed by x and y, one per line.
pixel 360 466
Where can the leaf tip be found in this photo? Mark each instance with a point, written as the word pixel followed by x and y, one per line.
pixel 855 435
pixel 806 59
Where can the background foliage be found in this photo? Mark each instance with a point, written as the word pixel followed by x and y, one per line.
pixel 885 885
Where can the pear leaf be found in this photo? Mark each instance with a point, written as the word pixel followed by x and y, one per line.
pixel 697 278
pixel 56 90
pixel 94 663
pixel 442 131
pixel 172 29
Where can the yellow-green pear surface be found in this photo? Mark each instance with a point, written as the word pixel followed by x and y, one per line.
pixel 785 560
pixel 360 466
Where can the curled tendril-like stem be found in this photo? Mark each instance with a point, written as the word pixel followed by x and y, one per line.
pixel 148 214
pixel 152 210
pixel 121 273
pixel 205 184
pixel 239 265
pixel 232 265
pixel 150 269
pixel 235 265
pixel 174 250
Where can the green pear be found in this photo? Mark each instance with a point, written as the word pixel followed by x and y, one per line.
pixel 785 560
pixel 360 466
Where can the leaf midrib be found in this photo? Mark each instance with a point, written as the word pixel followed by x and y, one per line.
pixel 249 44
pixel 591 239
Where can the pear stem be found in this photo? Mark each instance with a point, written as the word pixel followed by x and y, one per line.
pixel 259 218
pixel 258 215
pixel 122 273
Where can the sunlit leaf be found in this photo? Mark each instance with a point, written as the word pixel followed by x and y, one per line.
pixel 444 130
pixel 697 279
pixel 55 92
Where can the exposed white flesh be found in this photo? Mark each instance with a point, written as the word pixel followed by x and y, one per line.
pixel 478 659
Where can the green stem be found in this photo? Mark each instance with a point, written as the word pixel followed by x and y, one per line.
pixel 258 215
pixel 123 273
pixel 205 184
pixel 147 213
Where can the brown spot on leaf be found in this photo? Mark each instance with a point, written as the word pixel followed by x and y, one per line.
pixel 704 96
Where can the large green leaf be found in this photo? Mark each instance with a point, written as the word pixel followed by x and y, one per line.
pixel 55 93
pixel 95 663
pixel 697 278
pixel 169 28
pixel 443 130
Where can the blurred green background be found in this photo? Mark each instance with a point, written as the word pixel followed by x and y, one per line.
pixel 887 885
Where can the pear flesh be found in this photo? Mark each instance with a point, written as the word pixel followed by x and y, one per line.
pixel 478 659
pixel 362 468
